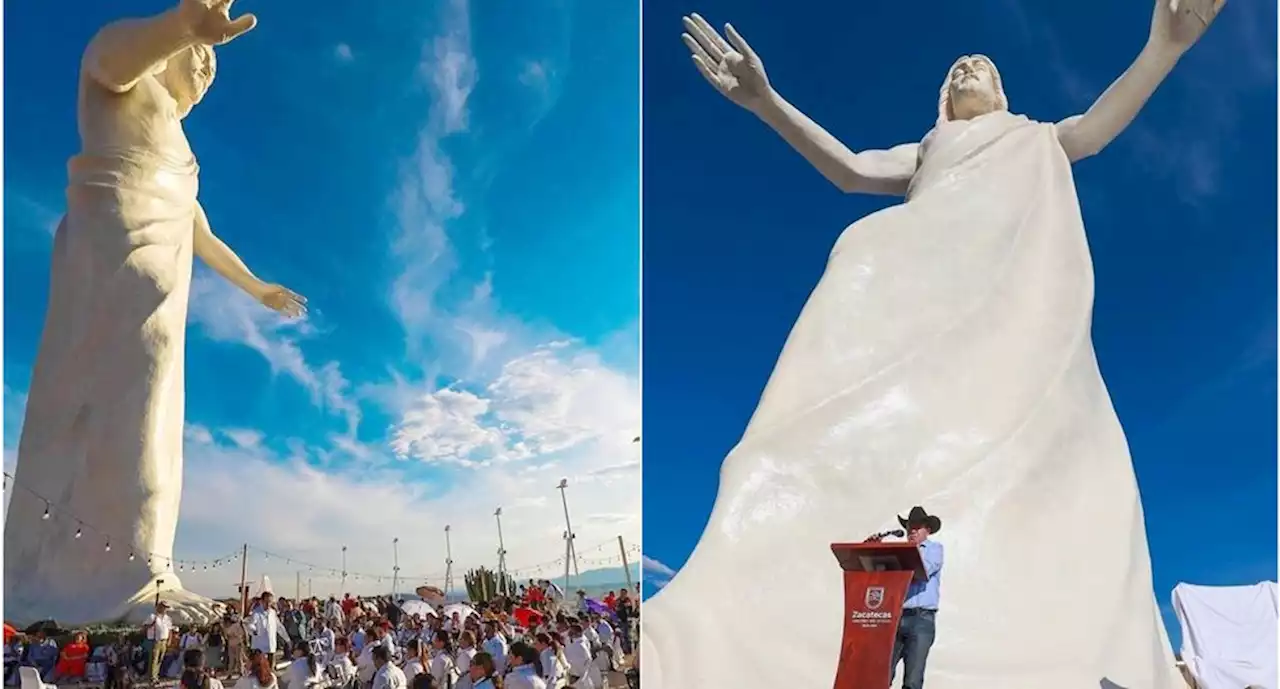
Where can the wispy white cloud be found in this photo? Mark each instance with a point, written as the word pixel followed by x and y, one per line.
pixel 655 572
pixel 553 399
pixel 223 313
pixel 343 52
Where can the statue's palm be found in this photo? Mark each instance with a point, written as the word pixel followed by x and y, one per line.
pixel 283 300
pixel 1180 23
pixel 731 66
pixel 210 20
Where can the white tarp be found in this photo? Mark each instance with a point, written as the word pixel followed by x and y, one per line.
pixel 1229 634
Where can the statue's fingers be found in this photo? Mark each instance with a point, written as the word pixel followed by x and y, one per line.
pixel 705 26
pixel 708 74
pixel 700 35
pixel 240 26
pixel 695 47
pixel 740 44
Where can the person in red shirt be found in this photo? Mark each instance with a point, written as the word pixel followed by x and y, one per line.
pixel 348 604
pixel 610 600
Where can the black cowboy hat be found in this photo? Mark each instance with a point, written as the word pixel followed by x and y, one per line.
pixel 918 517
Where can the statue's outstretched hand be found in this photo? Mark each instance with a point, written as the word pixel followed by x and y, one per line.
pixel 283 300
pixel 731 66
pixel 210 22
pixel 1178 24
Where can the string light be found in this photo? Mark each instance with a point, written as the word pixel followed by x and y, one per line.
pixel 311 568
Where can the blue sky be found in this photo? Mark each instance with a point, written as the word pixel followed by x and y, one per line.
pixel 1180 213
pixel 455 190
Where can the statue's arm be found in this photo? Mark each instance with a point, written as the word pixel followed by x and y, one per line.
pixel 1086 135
pixel 219 257
pixel 125 51
pixel 868 172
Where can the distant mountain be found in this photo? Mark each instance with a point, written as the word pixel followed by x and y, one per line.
pixel 604 578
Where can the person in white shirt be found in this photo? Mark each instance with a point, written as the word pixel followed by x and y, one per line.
pixel 265 630
pixel 483 674
pixel 325 637
pixel 386 675
pixel 524 668
pixel 413 665
pixel 578 653
pixel 364 662
pixel 333 611
pixel 340 668
pixel 443 663
pixel 555 669
pixel 495 646
pixel 304 671
pixel 157 627
pixel 466 651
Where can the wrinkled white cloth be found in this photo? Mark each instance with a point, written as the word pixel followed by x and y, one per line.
pixel 1229 634
pixel 943 360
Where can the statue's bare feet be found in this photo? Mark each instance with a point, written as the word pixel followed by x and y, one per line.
pixel 185 607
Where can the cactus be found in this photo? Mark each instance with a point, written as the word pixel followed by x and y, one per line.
pixel 484 584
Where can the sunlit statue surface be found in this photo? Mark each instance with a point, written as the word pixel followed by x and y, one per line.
pixel 102 438
pixel 944 359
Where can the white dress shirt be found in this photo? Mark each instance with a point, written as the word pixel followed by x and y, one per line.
pixel 412 669
pixel 578 654
pixel 389 677
pixel 264 630
pixel 160 626
pixel 463 659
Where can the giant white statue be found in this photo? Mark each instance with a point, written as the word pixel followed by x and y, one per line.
pixel 102 438
pixel 944 359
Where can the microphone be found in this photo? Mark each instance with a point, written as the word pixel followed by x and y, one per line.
pixel 896 533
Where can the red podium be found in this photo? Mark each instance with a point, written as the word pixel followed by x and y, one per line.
pixel 876 577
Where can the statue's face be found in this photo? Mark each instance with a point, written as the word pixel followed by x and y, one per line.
pixel 972 87
pixel 188 76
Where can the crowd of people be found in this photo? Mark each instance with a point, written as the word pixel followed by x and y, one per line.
pixel 534 638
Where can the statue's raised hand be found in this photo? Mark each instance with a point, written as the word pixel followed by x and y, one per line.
pixel 1178 24
pixel 210 22
pixel 283 300
pixel 731 66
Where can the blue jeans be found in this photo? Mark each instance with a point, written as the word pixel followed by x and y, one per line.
pixel 911 647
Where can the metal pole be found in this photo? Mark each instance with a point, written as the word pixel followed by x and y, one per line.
pixel 502 556
pixel 573 552
pixel 448 563
pixel 310 593
pixel 344 569
pixel 395 570
pixel 297 585
pixel 625 567
pixel 244 573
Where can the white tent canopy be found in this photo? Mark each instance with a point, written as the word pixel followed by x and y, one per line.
pixel 1229 634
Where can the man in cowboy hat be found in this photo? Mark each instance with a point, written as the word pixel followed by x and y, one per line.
pixel 916 627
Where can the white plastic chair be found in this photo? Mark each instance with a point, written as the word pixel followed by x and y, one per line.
pixel 30 678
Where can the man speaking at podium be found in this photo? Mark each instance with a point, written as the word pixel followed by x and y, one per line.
pixel 916 628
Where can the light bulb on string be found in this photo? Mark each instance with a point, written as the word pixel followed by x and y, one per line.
pixel 108 548
pixel 179 566
pixel 46 512
pixel 130 557
pixel 79 533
